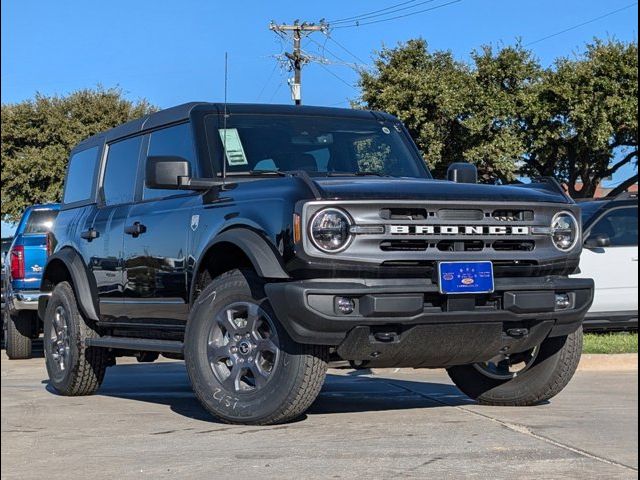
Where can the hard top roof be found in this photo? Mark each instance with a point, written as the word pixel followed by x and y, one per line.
pixel 182 112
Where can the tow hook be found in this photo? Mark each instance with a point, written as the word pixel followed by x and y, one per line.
pixel 385 337
pixel 518 332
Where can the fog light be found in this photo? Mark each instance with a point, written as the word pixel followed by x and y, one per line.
pixel 563 301
pixel 345 305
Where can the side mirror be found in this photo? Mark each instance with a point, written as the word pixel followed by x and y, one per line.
pixel 165 172
pixel 174 173
pixel 462 172
pixel 598 241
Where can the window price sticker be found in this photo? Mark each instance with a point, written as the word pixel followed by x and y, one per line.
pixel 234 148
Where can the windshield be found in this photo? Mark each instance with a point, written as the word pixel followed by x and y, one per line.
pixel 319 145
pixel 40 221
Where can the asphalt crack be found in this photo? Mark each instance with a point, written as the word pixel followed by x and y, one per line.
pixel 522 429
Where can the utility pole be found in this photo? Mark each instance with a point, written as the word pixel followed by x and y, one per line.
pixel 297 59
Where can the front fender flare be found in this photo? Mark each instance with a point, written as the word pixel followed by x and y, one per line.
pixel 81 279
pixel 257 249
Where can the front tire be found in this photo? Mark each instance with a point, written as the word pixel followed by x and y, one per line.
pixel 19 330
pixel 552 365
pixel 74 369
pixel 243 366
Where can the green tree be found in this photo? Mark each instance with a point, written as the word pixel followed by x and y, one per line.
pixel 429 92
pixel 504 112
pixel 38 134
pixel 583 120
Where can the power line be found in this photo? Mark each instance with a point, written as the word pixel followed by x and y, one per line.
pixel 389 12
pixel 340 20
pixel 273 95
pixel 581 24
pixel 324 49
pixel 267 82
pixel 346 49
pixel 337 76
pixel 296 58
pixel 398 16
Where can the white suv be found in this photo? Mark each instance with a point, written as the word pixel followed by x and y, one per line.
pixel 610 257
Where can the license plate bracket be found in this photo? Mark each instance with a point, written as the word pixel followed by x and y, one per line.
pixel 459 278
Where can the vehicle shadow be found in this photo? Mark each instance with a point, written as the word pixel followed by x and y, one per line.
pixel 167 383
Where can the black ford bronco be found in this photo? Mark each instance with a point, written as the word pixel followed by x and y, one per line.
pixel 259 242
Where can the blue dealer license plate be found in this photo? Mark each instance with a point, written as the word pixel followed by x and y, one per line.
pixel 465 277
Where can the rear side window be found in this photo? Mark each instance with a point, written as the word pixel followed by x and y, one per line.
pixel 620 226
pixel 172 141
pixel 40 221
pixel 80 175
pixel 119 180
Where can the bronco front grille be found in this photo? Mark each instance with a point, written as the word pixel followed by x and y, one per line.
pixel 515 236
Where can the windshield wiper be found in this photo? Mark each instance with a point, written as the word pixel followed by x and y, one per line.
pixel 269 172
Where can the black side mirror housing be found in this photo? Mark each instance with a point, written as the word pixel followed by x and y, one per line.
pixel 462 172
pixel 165 172
pixel 174 173
pixel 598 241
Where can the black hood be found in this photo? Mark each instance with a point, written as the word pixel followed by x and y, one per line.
pixel 418 189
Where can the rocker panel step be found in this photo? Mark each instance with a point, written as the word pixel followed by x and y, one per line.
pixel 138 344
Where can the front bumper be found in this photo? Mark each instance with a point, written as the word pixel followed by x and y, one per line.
pixel 24 299
pixel 413 314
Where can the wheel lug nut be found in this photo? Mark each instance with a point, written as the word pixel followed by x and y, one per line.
pixel 234 349
pixel 242 360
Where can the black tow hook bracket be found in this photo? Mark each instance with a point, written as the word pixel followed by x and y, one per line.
pixel 518 332
pixel 385 337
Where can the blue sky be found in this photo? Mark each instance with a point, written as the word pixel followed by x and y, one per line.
pixel 172 52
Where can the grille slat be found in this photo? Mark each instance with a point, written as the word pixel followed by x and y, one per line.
pixel 404 245
pixel 450 214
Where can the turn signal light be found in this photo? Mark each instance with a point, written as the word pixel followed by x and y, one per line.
pixel 297 228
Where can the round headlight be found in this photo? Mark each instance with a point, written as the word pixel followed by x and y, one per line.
pixel 565 231
pixel 330 230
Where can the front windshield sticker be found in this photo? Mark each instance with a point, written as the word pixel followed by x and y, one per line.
pixel 235 150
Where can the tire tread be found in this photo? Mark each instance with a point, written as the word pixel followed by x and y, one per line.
pixel 88 373
pixel 566 363
pixel 18 339
pixel 310 375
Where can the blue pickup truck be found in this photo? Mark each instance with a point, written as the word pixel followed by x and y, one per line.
pixel 23 266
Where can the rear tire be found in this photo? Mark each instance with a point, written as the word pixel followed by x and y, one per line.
pixel 19 330
pixel 73 368
pixel 554 365
pixel 248 370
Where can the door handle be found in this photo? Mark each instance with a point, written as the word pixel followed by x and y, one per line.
pixel 135 230
pixel 634 259
pixel 90 234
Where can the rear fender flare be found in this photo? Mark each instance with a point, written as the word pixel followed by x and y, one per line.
pixel 82 281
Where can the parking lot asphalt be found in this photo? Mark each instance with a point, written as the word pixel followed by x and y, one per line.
pixel 145 423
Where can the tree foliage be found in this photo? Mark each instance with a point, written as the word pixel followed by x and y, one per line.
pixel 509 115
pixel 38 134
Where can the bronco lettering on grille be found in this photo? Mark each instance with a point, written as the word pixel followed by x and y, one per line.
pixel 458 230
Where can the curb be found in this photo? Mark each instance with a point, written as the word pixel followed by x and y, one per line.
pixel 623 362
